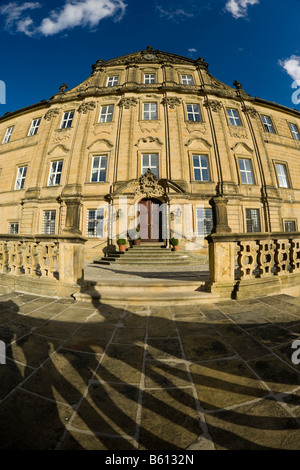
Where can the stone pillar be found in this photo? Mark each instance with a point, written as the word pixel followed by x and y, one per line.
pixel 221 265
pixel 218 204
pixel 73 216
pixel 71 259
pixel 71 195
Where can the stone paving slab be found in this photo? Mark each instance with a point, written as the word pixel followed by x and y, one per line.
pixel 123 377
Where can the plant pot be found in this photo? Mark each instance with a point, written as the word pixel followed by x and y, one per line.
pixel 136 242
pixel 122 247
pixel 175 248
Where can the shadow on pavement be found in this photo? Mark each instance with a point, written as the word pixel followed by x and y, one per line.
pixel 82 376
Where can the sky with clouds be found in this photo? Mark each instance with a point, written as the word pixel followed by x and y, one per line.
pixel 45 43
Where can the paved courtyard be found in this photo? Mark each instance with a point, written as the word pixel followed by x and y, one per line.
pixel 90 376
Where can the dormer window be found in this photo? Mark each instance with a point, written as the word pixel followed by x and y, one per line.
pixel 113 81
pixel 149 78
pixel 187 80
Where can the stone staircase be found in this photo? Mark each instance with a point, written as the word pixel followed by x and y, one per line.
pixel 149 254
pixel 172 285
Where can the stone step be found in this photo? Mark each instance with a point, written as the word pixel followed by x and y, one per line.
pixel 155 262
pixel 150 291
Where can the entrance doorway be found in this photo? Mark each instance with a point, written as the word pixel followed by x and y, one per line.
pixel 150 220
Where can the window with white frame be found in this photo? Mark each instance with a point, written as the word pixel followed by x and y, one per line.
pixel 99 167
pixel 204 222
pixel 13 228
pixel 150 161
pixel 233 116
pixel 67 119
pixel 149 111
pixel 106 113
pixel 282 175
pixel 95 223
pixel 8 134
pixel 252 220
pixel 200 168
pixel 149 78
pixel 49 222
pixel 34 127
pixel 187 80
pixel 193 112
pixel 289 226
pixel 295 131
pixel 267 124
pixel 113 81
pixel 55 173
pixel 21 175
pixel 246 172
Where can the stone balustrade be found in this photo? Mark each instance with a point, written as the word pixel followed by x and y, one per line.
pixel 266 262
pixel 46 258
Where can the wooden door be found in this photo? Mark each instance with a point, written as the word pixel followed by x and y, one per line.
pixel 150 220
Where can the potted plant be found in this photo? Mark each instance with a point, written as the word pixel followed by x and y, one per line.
pixel 137 238
pixel 175 244
pixel 122 244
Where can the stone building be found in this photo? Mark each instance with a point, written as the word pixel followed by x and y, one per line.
pixel 150 140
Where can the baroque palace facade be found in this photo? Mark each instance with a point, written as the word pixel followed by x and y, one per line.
pixel 151 140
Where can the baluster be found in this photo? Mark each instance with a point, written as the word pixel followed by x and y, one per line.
pixel 3 257
pixel 247 259
pixel 282 256
pixel 265 258
pixel 295 255
pixel 15 258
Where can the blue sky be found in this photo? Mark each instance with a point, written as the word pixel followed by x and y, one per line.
pixel 44 44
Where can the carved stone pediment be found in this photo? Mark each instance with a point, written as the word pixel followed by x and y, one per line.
pixel 148 186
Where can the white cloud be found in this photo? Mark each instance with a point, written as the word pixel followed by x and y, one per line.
pixel 84 13
pixel 292 66
pixel 14 13
pixel 239 8
pixel 174 14
pixel 192 50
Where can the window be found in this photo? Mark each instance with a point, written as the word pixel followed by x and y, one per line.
pixel 13 228
pixel 149 78
pixel 252 220
pixel 113 81
pixel 150 161
pixel 200 167
pixel 233 116
pixel 67 119
pixel 282 175
pixel 21 175
pixel 187 80
pixel 267 124
pixel 55 173
pixel 99 166
pixel 34 127
pixel 295 131
pixel 8 134
pixel 289 226
pixel 246 171
pixel 106 113
pixel 204 222
pixel 95 223
pixel 49 222
pixel 149 111
pixel 193 112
